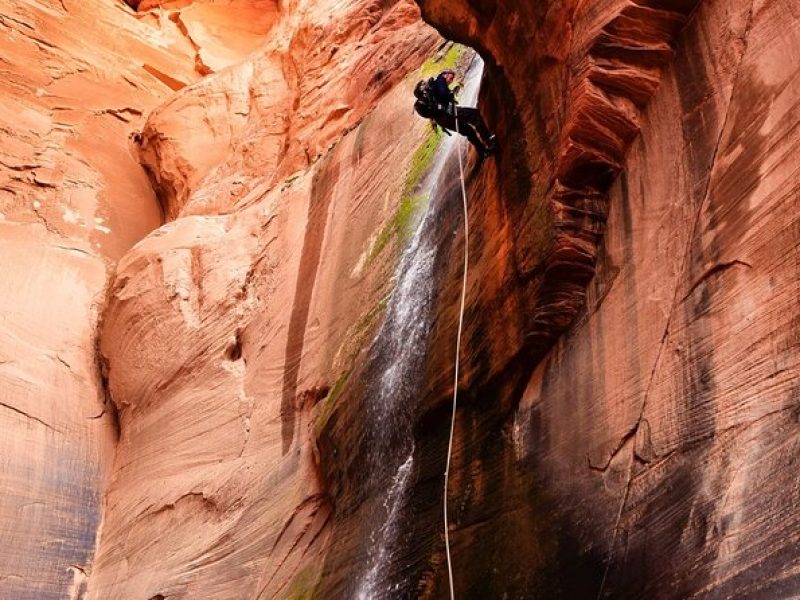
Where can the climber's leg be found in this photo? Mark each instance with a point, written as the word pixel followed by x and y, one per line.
pixel 468 130
pixel 445 121
pixel 465 127
pixel 472 116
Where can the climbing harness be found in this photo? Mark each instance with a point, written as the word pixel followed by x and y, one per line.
pixel 458 361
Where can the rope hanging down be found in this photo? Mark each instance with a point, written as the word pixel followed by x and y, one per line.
pixel 458 361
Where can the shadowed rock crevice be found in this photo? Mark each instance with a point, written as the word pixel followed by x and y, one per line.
pixel 322 191
pixel 564 138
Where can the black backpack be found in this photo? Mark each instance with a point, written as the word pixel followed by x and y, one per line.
pixel 425 105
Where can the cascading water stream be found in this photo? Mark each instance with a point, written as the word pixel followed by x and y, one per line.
pixel 398 356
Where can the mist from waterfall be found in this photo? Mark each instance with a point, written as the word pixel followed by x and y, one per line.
pixel 398 357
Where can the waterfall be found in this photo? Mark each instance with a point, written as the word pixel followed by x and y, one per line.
pixel 397 358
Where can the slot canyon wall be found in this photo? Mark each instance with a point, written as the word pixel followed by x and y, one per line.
pixel 184 358
pixel 651 451
pixel 73 199
pixel 90 413
pixel 265 287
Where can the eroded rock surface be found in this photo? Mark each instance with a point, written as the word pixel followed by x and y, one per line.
pixel 260 313
pixel 70 104
pixel 221 32
pixel 628 395
pixel 264 289
pixel 623 471
pixel 688 432
pixel 73 198
pixel 272 116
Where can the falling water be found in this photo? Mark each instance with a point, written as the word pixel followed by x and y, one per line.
pixel 399 355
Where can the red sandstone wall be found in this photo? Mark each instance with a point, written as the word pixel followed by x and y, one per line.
pixel 673 401
pixel 73 199
pixel 653 451
pixel 282 190
pixel 629 401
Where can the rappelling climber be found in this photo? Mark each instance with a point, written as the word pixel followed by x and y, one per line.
pixel 437 102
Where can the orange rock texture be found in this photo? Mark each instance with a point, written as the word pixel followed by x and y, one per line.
pixel 270 117
pixel 73 198
pixel 218 403
pixel 649 151
pixel 281 190
pixel 208 211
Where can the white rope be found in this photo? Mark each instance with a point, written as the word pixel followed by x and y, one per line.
pixel 458 361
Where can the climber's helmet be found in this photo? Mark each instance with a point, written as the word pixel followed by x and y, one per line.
pixel 449 75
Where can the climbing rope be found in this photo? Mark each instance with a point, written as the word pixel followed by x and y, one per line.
pixel 458 360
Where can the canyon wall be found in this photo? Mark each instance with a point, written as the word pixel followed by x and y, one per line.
pixel 80 81
pixel 651 451
pixel 680 380
pixel 192 346
pixel 73 199
pixel 230 330
pixel 289 211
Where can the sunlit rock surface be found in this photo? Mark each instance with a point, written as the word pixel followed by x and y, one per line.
pixel 628 399
pixel 221 32
pixel 259 314
pixel 80 79
pixel 77 81
pixel 289 205
pixel 273 115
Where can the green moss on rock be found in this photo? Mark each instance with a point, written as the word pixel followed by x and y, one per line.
pixel 401 224
pixel 412 202
pixel 304 585
pixel 449 58
pixel 422 161
pixel 330 401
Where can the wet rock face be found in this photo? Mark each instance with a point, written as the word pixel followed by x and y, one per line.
pixel 221 403
pixel 566 113
pixel 640 218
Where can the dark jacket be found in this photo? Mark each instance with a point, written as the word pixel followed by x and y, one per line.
pixel 441 92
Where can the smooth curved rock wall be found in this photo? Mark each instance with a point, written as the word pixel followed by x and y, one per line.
pixel 73 199
pixel 259 295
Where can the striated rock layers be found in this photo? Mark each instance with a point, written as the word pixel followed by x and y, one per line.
pixel 80 78
pixel 629 405
pixel 73 198
pixel 228 331
pixel 629 401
